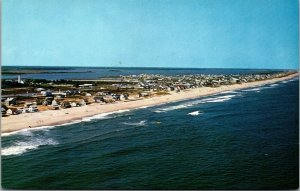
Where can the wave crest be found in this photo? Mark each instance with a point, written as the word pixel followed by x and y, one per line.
pixel 141 123
pixel 192 103
pixel 22 146
pixel 194 113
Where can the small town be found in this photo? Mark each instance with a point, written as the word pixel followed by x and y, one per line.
pixel 34 95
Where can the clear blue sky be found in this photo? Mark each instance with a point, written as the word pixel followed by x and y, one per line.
pixel 151 33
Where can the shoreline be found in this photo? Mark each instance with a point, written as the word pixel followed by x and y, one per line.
pixel 63 116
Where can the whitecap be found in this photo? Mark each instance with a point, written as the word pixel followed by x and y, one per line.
pixel 171 108
pixel 192 103
pixel 253 89
pixel 218 99
pixel 98 116
pixel 16 150
pixel 103 115
pixel 24 146
pixel 141 123
pixel 194 113
pixel 13 133
pixel 120 111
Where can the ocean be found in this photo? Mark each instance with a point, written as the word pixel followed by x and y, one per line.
pixel 243 139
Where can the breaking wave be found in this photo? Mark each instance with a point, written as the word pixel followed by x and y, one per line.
pixel 192 103
pixel 28 132
pixel 141 123
pixel 98 116
pixel 251 90
pixel 46 128
pixel 272 85
pixel 24 146
pixel 171 108
pixel 219 99
pixel 194 113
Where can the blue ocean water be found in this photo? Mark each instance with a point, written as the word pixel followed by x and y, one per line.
pixel 244 139
pixel 57 73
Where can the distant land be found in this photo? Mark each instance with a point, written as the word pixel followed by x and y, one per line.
pixel 75 72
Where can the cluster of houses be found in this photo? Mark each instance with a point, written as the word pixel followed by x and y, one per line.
pixel 142 85
pixel 29 107
pixel 50 100
pixel 181 82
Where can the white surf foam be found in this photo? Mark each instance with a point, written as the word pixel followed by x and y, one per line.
pixel 251 90
pixel 46 128
pixel 103 115
pixel 141 123
pixel 218 99
pixel 98 116
pixel 194 113
pixel 13 133
pixel 22 146
pixel 229 91
pixel 256 89
pixel 120 111
pixel 192 103
pixel 26 132
pixel 171 108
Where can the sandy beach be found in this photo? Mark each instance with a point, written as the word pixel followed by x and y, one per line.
pixel 56 117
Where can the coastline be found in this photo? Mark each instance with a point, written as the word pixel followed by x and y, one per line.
pixel 63 116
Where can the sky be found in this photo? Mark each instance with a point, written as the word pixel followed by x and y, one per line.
pixel 151 33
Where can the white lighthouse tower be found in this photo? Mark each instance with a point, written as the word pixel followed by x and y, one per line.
pixel 19 80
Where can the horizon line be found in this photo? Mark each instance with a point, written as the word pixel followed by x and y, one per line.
pixel 163 67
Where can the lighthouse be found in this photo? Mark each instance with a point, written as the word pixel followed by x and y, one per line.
pixel 19 80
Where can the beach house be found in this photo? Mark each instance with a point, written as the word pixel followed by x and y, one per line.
pixel 54 105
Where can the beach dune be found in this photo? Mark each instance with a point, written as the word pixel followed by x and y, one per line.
pixel 56 117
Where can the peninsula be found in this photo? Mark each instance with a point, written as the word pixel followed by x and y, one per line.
pixel 47 103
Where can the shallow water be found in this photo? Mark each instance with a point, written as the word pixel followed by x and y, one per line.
pixel 245 139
